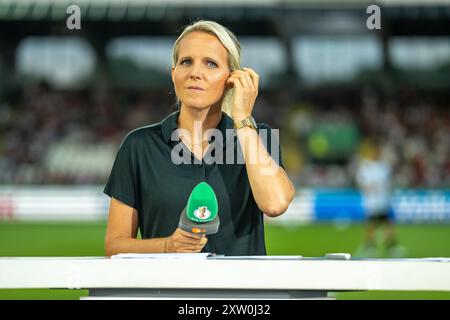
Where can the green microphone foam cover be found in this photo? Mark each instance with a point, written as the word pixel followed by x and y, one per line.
pixel 202 204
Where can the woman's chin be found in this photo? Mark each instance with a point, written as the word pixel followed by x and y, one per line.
pixel 196 105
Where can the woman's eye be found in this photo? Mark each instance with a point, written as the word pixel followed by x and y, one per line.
pixel 185 61
pixel 212 64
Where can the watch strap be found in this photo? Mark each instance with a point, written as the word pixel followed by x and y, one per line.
pixel 247 122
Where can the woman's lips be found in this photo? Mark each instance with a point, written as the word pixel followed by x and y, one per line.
pixel 195 88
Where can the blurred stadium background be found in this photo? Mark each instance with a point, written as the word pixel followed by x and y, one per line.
pixel 68 98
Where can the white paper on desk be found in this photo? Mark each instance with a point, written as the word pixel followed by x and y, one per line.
pixel 200 255
pixel 256 257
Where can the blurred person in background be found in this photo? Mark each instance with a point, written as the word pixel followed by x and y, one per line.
pixel 149 191
pixel 373 179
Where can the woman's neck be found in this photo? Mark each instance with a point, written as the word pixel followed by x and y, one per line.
pixel 197 122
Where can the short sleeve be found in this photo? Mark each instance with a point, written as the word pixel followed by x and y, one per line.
pixel 121 183
pixel 271 141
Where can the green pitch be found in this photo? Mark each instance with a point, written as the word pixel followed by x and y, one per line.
pixel 86 239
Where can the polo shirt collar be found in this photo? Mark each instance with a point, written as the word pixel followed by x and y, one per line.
pixel 169 124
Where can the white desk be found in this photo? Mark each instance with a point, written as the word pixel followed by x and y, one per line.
pixel 309 278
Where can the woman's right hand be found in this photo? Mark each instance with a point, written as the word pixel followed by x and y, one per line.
pixel 183 241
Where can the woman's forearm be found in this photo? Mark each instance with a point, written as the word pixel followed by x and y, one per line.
pixel 271 187
pixel 130 245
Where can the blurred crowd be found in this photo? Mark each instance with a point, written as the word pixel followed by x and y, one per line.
pixel 68 137
pixel 71 137
pixel 415 138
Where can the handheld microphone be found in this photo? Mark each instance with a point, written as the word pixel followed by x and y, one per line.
pixel 200 214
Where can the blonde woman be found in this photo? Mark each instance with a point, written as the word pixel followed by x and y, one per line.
pixel 149 187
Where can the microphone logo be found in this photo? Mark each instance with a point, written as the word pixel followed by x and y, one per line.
pixel 202 213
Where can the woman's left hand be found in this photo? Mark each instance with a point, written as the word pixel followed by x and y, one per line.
pixel 245 83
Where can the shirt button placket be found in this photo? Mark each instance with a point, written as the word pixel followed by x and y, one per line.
pixel 202 171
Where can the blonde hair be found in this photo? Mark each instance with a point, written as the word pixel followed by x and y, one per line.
pixel 228 40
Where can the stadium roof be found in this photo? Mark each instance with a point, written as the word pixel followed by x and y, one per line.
pixel 229 2
pixel 156 9
pixel 111 18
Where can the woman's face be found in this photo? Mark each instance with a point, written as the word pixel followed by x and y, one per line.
pixel 201 70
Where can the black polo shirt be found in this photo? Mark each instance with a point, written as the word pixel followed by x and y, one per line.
pixel 145 177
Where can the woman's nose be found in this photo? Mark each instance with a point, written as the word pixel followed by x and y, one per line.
pixel 195 71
